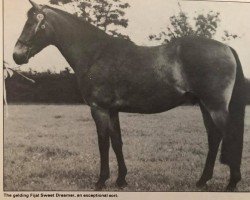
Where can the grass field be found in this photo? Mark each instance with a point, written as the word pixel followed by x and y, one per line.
pixel 54 147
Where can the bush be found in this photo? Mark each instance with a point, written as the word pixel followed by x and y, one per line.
pixel 49 88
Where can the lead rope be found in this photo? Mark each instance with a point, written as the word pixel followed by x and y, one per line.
pixel 8 72
pixel 5 100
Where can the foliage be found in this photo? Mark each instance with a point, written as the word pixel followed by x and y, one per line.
pixel 105 14
pixel 48 88
pixel 204 25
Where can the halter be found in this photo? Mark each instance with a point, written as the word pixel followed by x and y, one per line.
pixel 40 18
pixel 28 45
pixel 24 43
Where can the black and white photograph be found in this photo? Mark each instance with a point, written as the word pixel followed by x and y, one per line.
pixel 125 96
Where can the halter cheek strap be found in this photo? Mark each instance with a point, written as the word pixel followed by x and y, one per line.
pixel 40 18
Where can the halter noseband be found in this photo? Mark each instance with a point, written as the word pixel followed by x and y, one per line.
pixel 28 45
pixel 24 43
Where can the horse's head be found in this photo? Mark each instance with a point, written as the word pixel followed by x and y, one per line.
pixel 36 35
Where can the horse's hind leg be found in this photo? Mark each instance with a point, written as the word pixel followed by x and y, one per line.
pixel 231 125
pixel 214 139
pixel 232 145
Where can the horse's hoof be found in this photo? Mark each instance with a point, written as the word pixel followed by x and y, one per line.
pixel 99 186
pixel 231 187
pixel 121 183
pixel 201 184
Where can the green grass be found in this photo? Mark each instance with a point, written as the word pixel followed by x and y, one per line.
pixel 55 147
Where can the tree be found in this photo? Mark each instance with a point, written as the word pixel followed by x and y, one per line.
pixel 205 25
pixel 105 14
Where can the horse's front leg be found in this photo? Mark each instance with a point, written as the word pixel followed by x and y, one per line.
pixel 102 121
pixel 116 140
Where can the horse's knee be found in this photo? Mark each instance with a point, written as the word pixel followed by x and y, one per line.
pixel 116 140
pixel 116 143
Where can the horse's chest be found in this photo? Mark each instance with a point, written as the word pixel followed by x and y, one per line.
pixel 96 92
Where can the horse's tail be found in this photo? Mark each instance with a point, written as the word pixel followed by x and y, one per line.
pixel 247 91
pixel 232 144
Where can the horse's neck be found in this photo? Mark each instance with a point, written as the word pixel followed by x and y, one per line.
pixel 79 43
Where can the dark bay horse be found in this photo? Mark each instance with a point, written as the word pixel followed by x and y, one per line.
pixel 115 75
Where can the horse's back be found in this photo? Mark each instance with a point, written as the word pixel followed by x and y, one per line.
pixel 156 79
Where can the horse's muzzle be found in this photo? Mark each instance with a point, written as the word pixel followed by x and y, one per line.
pixel 21 54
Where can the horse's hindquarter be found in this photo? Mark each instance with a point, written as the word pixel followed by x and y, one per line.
pixel 210 70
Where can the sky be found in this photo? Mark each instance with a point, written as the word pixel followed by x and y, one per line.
pixel 145 17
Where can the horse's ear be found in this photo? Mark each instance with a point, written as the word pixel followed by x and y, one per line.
pixel 35 5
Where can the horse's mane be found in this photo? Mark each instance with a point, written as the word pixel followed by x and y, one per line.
pixel 69 15
pixel 80 22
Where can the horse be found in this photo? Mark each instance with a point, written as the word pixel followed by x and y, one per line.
pixel 116 75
